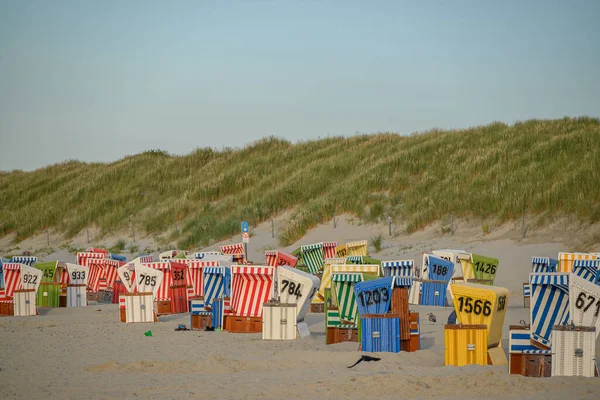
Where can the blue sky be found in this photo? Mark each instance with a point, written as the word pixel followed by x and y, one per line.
pixel 97 80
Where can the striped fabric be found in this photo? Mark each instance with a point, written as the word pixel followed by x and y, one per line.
pixel 111 274
pixel 403 281
pixel 251 287
pixel 354 260
pixel 325 280
pixel 587 269
pixel 226 306
pixel 107 270
pixel 27 260
pixel 519 342
pixel 197 306
pixel 195 274
pixel 214 284
pixel 357 248
pixel 335 261
pixel 312 254
pixel 64 278
pixel 398 268
pixel 416 330
pixel 433 293
pixel 189 292
pixel 559 279
pixel 370 269
pixel 83 256
pixel 145 259
pixel 95 273
pixel 12 278
pixel 189 277
pixel 342 287
pixel 3 298
pixel 549 305
pixel 221 307
pixel 339 268
pixel 163 293
pixel 329 249
pixel 271 256
pixel 566 260
pixel 347 326
pixel 276 258
pixel 332 318
pixel 543 265
pixel 347 277
pixel 414 294
pixel 526 290
pixel 237 248
pixel 466 264
pixel 533 350
pixel 202 254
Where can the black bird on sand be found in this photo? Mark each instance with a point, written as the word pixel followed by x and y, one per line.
pixel 365 358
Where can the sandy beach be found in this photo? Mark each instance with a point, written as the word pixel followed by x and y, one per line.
pixel 87 353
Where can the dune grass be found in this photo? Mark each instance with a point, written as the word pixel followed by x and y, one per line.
pixel 549 167
pixel 377 242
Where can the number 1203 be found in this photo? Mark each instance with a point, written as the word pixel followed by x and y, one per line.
pixel 376 296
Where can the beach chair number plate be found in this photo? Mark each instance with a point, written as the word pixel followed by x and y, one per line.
pixel 439 270
pixel 466 304
pixel 77 275
pixel 178 275
pixel 30 279
pixel 293 288
pixel 485 268
pixel 369 297
pixel 585 301
pixel 147 279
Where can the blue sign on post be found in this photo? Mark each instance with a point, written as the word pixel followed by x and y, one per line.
pixel 244 226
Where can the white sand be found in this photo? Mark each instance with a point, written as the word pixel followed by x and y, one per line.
pixel 88 353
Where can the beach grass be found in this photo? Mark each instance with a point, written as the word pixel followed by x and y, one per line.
pixel 547 167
